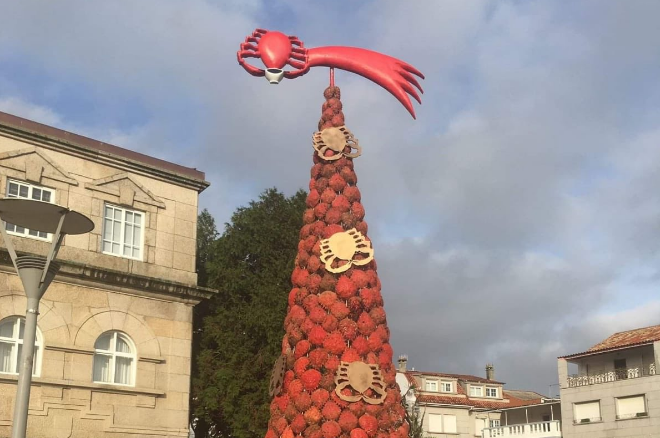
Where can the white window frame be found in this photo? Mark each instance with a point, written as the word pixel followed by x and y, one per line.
pixel 446 386
pixel 473 391
pixel 112 353
pixel 490 388
pixel 122 230
pixel 30 187
pixel 494 423
pixel 431 386
pixel 638 414
pixel 15 340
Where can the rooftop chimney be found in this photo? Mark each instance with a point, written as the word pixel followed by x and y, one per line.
pixel 490 371
pixel 403 362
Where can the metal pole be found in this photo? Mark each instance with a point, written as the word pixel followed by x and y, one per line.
pixel 19 426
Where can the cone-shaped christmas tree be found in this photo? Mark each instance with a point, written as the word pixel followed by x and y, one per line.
pixel 338 379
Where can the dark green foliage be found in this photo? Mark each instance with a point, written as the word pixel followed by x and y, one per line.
pixel 241 335
pixel 207 234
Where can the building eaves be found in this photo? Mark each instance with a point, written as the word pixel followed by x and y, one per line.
pixel 462 401
pixel 620 341
pixel 464 377
pixel 58 139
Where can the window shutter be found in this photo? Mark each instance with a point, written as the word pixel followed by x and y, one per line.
pixel 449 423
pixel 588 410
pixel 479 425
pixel 435 423
pixel 627 407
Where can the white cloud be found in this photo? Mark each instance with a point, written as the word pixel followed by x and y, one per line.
pixel 505 218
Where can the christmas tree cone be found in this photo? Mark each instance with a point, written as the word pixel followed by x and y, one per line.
pixel 335 377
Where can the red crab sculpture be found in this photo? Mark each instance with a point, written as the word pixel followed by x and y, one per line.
pixel 335 378
pixel 276 50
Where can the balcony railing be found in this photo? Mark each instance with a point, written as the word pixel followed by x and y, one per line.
pixel 611 376
pixel 544 429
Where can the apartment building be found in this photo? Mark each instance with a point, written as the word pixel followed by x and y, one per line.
pixel 612 389
pixel 114 333
pixel 471 406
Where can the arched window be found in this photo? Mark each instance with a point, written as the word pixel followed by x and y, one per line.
pixel 114 359
pixel 11 346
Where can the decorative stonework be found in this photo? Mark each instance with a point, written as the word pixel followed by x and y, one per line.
pixel 363 381
pixel 36 165
pixel 126 188
pixel 338 253
pixel 610 376
pixel 122 281
pixel 333 143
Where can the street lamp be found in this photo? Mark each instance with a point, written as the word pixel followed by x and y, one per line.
pixel 36 274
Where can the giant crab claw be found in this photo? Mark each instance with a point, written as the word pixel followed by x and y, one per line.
pixel 274 75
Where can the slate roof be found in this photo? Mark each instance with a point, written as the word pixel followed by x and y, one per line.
pixel 626 339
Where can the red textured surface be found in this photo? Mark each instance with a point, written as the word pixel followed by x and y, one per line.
pixel 333 317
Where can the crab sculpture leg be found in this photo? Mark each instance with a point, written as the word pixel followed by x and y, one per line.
pixel 277 50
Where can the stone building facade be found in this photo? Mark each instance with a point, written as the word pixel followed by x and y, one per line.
pixel 613 388
pixel 115 327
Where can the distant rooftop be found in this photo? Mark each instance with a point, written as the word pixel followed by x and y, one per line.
pixel 620 340
pixel 510 399
pixel 464 377
pixel 99 147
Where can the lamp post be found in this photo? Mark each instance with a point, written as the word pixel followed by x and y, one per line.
pixel 36 274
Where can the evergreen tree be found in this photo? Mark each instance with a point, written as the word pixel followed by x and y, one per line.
pixel 240 339
pixel 207 234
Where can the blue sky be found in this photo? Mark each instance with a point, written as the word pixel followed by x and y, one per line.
pixel 516 220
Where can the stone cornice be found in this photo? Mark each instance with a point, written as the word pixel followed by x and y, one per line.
pixel 123 282
pixel 25 135
pixel 76 349
pixel 99 387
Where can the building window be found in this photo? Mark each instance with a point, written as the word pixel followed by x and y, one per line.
pixel 446 387
pixel 19 189
pixel 587 412
pixel 432 385
pixel 631 407
pixel 491 392
pixel 123 232
pixel 495 423
pixel 476 391
pixel 114 359
pixel 11 346
pixel 441 423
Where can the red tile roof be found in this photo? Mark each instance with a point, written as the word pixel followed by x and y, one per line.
pixel 519 398
pixel 463 401
pixel 511 399
pixel 630 338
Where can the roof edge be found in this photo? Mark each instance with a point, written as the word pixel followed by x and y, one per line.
pixel 605 350
pixel 50 136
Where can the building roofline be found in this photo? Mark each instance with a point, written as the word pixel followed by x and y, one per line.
pixel 605 350
pixel 23 128
pixel 464 377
